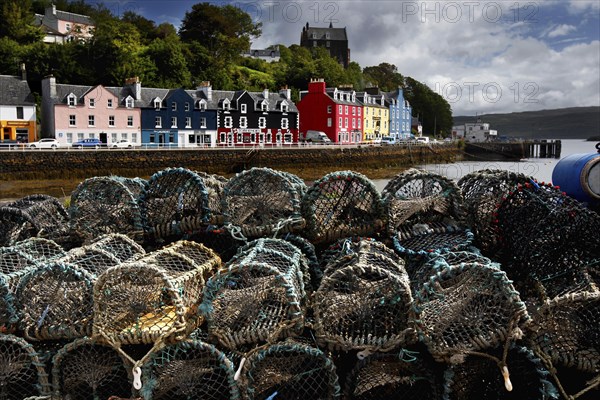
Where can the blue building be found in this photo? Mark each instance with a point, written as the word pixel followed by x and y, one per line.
pixel 400 114
pixel 178 117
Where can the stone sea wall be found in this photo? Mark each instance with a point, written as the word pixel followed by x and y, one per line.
pixel 31 164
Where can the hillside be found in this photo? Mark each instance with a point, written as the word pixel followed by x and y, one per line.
pixel 563 123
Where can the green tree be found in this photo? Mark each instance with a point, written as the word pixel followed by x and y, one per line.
pixel 328 68
pixel 354 76
pixel 385 76
pixel 433 110
pixel 168 55
pixel 222 30
pixel 18 21
pixel 145 27
pixel 10 56
pixel 302 67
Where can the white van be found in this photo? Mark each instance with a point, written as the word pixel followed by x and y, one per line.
pixel 315 137
pixel 423 139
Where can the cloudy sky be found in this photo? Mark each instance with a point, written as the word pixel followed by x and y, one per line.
pixel 482 56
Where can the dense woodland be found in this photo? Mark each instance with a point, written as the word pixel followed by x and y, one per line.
pixel 207 47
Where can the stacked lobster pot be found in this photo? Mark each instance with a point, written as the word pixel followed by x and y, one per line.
pixel 363 300
pixel 106 204
pixel 178 202
pixel 37 215
pixel 342 204
pixel 261 202
pixel 425 214
pixel 23 374
pixel 153 300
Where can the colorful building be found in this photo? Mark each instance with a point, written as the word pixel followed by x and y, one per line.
pixel 375 116
pixel 400 114
pixel 75 112
pixel 17 110
pixel 61 26
pixel 336 112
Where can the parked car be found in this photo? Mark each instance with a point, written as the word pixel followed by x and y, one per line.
pixel 47 143
pixel 385 140
pixel 122 144
pixel 88 143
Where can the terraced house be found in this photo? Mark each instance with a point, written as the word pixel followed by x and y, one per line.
pixel 17 110
pixel 75 112
pixel 400 114
pixel 375 115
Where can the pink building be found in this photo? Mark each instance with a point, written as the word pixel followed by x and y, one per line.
pixel 61 26
pixel 74 112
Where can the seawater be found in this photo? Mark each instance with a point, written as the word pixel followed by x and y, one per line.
pixel 539 168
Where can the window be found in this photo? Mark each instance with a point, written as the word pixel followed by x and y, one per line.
pixel 284 107
pixel 92 103
pixel 346 122
pixel 109 103
pixel 187 106
pixel 69 137
pixel 130 120
pixel 113 137
pixel 226 105
pixel 124 136
pixel 129 102
pixel 262 122
pixel 19 112
pixel 353 110
pixel 327 44
pixel 228 122
pixel 157 104
pixel 340 109
pixel 158 122
pixel 243 108
pixel 173 106
pixel 285 123
pixel 359 111
pixel 340 122
pixel 80 136
pixel 91 120
pixel 174 122
pixel 314 35
pixel 72 100
pixel 188 122
pixel 264 106
pixel 329 123
pixel 72 120
pixel 202 105
pixel 328 109
pixel 353 123
pixel 346 110
pixel 203 122
pixel 133 137
pixel 243 122
pixel 111 120
pixel 327 35
pixel 68 27
pixel 92 135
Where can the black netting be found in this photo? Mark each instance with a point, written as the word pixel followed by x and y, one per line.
pixel 21 372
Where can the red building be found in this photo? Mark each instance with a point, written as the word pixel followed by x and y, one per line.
pixel 336 112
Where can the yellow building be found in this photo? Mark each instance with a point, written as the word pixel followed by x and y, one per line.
pixel 17 111
pixel 376 117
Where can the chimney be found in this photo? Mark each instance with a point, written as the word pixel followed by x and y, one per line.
pixel 23 72
pixel 316 86
pixel 206 88
pixel 53 7
pixel 136 87
pixel 265 93
pixel 286 92
pixel 49 87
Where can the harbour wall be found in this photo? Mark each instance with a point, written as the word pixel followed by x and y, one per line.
pixel 37 164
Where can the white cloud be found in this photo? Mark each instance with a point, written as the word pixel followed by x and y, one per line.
pixel 579 6
pixel 561 30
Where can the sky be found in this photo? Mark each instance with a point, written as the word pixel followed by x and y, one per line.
pixel 481 56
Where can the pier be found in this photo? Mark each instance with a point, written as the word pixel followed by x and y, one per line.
pixel 543 149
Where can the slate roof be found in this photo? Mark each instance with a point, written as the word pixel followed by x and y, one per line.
pixel 321 33
pixel 15 91
pixel 74 18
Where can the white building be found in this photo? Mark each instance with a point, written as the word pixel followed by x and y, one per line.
pixel 476 132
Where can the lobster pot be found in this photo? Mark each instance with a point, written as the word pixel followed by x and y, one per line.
pixel 175 203
pixel 425 212
pixel 93 260
pixel 21 372
pixel 342 204
pixel 550 238
pixel 55 302
pixel 263 202
pixel 13 264
pixel 84 370
pixel 35 215
pixel 259 296
pixel 421 274
pixel 393 376
pixel 154 298
pixel 364 306
pixel 566 330
pixel 190 369
pixel 313 270
pixel 215 186
pixel 481 378
pixel 120 246
pixel 466 308
pixel 107 204
pixel 483 191
pixel 40 249
pixel 8 313
pixel 290 370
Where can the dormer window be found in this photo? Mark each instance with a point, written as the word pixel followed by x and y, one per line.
pixel 284 106
pixel 157 104
pixel 129 102
pixel 243 108
pixel 109 103
pixel 314 35
pixel 202 105
pixel 226 105
pixel 68 27
pixel 264 106
pixel 92 103
pixel 173 106
pixel 72 100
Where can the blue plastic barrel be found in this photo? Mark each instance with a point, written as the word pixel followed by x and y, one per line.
pixel 578 175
